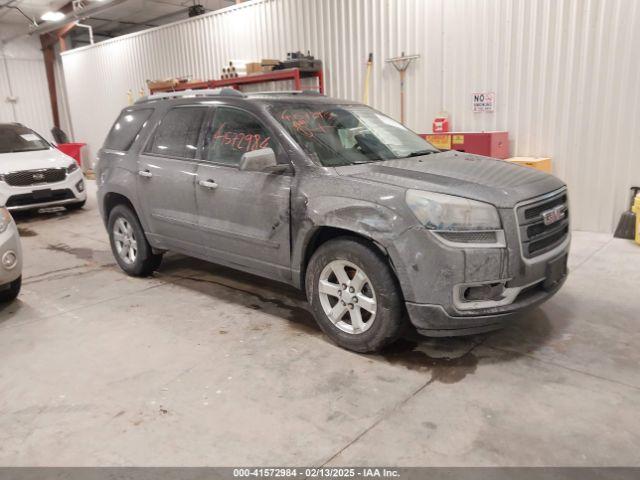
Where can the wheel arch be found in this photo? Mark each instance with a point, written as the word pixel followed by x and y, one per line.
pixel 329 216
pixel 111 200
pixel 325 233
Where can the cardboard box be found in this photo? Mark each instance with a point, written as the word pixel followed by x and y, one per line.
pixel 439 140
pixel 543 164
pixel 162 84
pixel 253 68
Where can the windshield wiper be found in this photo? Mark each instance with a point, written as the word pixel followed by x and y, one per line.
pixel 419 153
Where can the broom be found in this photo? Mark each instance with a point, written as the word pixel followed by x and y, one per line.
pixel 365 94
pixel 627 224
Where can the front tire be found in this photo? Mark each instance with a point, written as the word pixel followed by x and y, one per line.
pixel 129 243
pixel 12 291
pixel 354 295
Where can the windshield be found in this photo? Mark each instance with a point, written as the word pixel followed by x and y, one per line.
pixel 16 138
pixel 337 135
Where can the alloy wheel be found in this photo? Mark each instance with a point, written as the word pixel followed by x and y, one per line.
pixel 125 241
pixel 347 296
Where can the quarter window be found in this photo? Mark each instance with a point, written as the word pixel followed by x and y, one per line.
pixel 126 129
pixel 178 132
pixel 233 133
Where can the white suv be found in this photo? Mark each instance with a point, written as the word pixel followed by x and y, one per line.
pixel 34 174
pixel 10 257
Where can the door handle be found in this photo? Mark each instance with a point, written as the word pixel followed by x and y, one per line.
pixel 210 184
pixel 145 173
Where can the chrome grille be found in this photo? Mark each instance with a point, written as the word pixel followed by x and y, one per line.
pixel 537 236
pixel 535 211
pixel 33 177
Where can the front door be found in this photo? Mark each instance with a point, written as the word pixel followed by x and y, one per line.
pixel 243 216
pixel 166 179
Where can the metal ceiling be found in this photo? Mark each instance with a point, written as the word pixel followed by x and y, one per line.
pixel 107 18
pixel 136 15
pixel 31 8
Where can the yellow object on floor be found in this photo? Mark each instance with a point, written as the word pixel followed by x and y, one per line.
pixel 543 164
pixel 636 210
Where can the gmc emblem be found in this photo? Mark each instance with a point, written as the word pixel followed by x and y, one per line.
pixel 554 215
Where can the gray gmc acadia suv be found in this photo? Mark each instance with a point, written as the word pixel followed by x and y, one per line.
pixel 335 198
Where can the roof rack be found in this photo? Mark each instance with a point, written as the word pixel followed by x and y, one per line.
pixel 206 92
pixel 285 92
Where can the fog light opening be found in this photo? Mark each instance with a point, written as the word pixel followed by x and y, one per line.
pixel 489 291
pixel 80 186
pixel 9 259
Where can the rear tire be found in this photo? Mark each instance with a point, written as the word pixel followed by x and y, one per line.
pixel 362 311
pixel 12 292
pixel 129 243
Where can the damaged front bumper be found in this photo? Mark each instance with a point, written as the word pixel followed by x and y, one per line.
pixel 451 290
pixel 437 321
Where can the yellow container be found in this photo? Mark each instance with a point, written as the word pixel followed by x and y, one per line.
pixel 636 210
pixel 543 164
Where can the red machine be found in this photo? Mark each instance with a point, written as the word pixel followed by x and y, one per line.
pixel 490 144
pixel 74 150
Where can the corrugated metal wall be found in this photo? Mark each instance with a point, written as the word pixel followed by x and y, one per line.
pixel 566 76
pixel 23 76
pixel 564 73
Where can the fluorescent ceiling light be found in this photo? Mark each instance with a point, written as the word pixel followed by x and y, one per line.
pixel 52 16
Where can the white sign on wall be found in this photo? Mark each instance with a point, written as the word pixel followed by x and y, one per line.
pixel 484 102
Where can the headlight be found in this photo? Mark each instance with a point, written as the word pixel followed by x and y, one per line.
pixel 5 219
pixel 437 211
pixel 72 168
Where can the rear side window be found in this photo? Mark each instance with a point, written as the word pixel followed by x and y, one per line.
pixel 178 132
pixel 126 129
pixel 234 133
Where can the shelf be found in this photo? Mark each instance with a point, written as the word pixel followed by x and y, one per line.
pixel 294 74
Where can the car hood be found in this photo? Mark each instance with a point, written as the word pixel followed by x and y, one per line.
pixel 498 182
pixel 52 158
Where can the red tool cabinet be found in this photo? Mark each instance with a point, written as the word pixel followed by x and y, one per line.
pixel 491 144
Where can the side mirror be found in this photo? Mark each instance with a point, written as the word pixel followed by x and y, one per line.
pixel 258 160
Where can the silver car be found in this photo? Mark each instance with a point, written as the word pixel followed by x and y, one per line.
pixel 380 228
pixel 10 257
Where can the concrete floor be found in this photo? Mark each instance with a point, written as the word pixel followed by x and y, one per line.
pixel 202 365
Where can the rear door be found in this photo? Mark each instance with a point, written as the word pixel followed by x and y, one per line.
pixel 166 178
pixel 243 216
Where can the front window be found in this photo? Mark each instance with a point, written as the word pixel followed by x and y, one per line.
pixel 233 133
pixel 337 135
pixel 16 138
